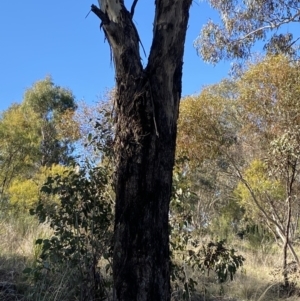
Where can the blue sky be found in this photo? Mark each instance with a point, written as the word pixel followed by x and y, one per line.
pixel 40 38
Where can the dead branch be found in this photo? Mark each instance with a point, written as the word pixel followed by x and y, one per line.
pixel 100 14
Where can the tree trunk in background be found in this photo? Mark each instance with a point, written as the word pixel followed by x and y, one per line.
pixel 286 243
pixel 147 105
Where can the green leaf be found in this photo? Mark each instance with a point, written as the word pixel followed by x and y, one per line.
pixel 27 270
pixel 46 189
pixel 39 241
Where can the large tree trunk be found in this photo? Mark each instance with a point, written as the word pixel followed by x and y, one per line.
pixel 146 107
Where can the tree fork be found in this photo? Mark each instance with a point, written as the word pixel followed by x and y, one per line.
pixel 147 105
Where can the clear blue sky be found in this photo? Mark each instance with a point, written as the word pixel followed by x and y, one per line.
pixel 39 38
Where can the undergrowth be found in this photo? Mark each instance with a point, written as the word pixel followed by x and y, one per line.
pixel 258 280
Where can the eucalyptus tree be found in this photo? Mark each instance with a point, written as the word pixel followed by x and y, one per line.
pixel 50 105
pixel 251 132
pixel 31 133
pixel 242 23
pixel 207 131
pixel 146 109
pixel 19 145
pixel 269 101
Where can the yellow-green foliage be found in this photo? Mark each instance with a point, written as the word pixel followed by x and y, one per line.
pixel 32 135
pixel 201 127
pixel 269 94
pixel 264 190
pixel 19 144
pixel 25 193
pixel 55 169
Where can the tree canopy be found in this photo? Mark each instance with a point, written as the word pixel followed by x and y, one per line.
pixel 33 135
pixel 242 23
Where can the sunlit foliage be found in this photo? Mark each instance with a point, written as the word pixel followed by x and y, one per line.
pixel 242 23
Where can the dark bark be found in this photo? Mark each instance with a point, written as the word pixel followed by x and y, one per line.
pixel 147 105
pixel 286 243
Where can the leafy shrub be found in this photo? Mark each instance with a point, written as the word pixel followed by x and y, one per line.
pixel 82 234
pixel 186 255
pixel 215 256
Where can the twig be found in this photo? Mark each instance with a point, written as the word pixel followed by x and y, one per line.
pixel 88 13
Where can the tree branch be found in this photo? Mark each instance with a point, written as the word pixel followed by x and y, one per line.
pixel 271 26
pixel 100 14
pixel 133 7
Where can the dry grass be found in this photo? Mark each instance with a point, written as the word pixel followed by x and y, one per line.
pixel 17 251
pixel 256 281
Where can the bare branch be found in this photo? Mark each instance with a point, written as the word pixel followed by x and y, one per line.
pixel 289 46
pixel 133 7
pixel 271 26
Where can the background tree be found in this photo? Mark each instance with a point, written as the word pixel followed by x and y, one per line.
pixel 242 23
pixel 25 193
pixel 95 126
pixel 146 107
pixel 19 145
pixel 50 104
pixel 205 123
pixel 207 131
pixel 269 108
pixel 260 112
pixel 34 134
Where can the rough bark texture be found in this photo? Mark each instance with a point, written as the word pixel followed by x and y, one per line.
pixel 147 109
